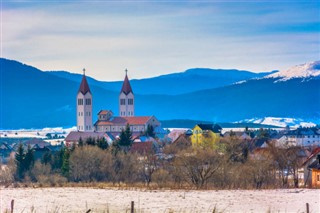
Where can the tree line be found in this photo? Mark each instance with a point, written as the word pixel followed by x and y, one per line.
pixel 232 163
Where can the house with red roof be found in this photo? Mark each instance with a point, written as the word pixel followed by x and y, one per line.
pixel 115 124
pixel 74 136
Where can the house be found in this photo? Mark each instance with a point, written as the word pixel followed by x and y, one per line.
pixel 74 136
pixel 5 152
pixel 312 169
pixel 161 134
pixel 301 136
pixel 143 148
pixel 38 146
pixel 143 139
pixel 205 134
pixel 238 134
pixel 115 124
pixel 182 142
pixel 175 133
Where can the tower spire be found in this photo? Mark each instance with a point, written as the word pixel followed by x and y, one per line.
pixel 126 87
pixel 126 98
pixel 84 86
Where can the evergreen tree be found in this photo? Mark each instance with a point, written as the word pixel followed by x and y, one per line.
pixel 102 143
pixel 58 159
pixel 65 168
pixel 46 158
pixel 263 134
pixel 29 159
pixel 126 137
pixel 232 134
pixel 246 130
pixel 80 142
pixel 73 147
pixel 150 131
pixel 91 141
pixel 19 160
pixel 115 148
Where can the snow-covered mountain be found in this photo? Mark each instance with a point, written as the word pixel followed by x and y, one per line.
pixel 280 122
pixel 311 69
pixel 24 99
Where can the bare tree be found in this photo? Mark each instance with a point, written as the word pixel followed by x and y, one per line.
pixel 198 165
pixel 85 164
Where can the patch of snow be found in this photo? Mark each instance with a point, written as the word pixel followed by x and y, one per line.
pixel 35 133
pixel 240 82
pixel 280 122
pixel 310 69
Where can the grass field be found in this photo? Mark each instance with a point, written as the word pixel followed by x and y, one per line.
pixel 80 199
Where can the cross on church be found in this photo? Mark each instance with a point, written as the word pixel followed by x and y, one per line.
pixel 84 71
pixel 126 71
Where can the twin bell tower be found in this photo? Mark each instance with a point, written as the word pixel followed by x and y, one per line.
pixel 84 103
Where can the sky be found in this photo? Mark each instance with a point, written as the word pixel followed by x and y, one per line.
pixel 152 38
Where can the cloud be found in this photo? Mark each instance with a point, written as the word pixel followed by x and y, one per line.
pixel 153 38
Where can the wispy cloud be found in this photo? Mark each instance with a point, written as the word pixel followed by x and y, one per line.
pixel 153 38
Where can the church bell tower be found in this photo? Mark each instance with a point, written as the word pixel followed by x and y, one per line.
pixel 126 99
pixel 84 106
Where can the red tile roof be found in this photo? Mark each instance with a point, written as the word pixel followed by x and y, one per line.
pixel 84 86
pixel 104 112
pixel 126 88
pixel 142 148
pixel 136 120
pixel 75 135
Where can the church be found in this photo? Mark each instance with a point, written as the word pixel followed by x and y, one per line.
pixel 107 121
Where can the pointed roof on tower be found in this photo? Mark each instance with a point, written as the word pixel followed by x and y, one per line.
pixel 84 86
pixel 126 87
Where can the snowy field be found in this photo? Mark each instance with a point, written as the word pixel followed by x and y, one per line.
pixel 101 200
pixel 35 133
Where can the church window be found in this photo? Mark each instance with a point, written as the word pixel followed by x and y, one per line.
pixel 88 101
pixel 80 101
pixel 122 101
pixel 130 101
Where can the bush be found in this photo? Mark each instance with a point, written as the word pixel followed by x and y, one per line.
pixel 161 177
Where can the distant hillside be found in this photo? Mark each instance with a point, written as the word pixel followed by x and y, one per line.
pixel 191 123
pixel 31 98
pixel 177 83
pixel 296 98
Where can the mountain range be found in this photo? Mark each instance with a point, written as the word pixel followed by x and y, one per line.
pixel 31 98
pixel 191 80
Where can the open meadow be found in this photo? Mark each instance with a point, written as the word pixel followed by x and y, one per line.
pixel 78 199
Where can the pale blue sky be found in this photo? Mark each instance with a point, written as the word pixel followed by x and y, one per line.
pixel 151 38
